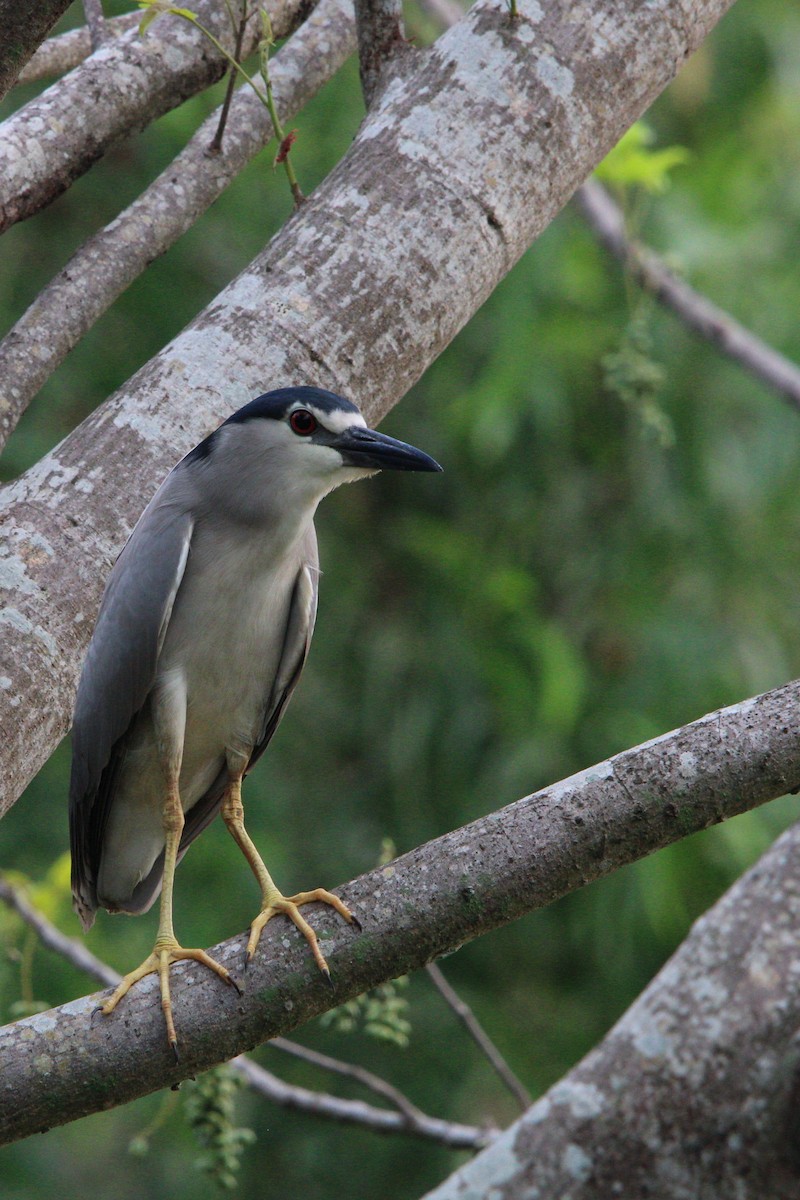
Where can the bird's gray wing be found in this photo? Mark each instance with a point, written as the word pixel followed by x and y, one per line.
pixel 119 672
pixel 297 638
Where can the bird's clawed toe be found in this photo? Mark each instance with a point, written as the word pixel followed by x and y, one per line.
pixel 164 954
pixel 275 904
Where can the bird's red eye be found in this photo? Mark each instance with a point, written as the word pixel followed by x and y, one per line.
pixel 303 422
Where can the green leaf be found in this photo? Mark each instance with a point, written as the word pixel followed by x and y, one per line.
pixel 633 163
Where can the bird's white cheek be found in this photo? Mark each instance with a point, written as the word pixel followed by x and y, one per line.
pixel 351 474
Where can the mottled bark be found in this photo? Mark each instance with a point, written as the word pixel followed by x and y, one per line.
pixel 22 27
pixel 65 1063
pixel 694 1093
pixel 129 82
pixel 381 42
pixel 60 54
pixel 109 261
pixel 455 172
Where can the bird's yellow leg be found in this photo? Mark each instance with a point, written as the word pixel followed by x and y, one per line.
pixel 167 949
pixel 273 902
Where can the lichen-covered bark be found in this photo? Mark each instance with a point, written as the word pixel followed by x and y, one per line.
pixel 109 261
pixel 463 162
pixel 60 54
pixel 121 88
pixel 64 1063
pixel 693 1095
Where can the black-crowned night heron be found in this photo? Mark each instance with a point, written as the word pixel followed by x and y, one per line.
pixel 201 637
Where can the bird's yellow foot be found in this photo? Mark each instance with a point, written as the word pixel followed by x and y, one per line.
pixel 158 963
pixel 274 904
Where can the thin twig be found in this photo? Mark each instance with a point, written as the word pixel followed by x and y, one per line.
pixel 351 1071
pixel 139 79
pixel 68 948
pixel 698 313
pixel 216 141
pixel 408 1118
pixel 480 1036
pixel 285 140
pixel 96 21
pixel 379 1120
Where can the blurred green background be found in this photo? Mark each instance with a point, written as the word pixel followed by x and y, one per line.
pixel 589 572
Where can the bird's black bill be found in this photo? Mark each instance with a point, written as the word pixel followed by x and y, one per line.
pixel 366 448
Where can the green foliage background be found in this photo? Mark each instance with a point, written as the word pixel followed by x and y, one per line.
pixel 591 570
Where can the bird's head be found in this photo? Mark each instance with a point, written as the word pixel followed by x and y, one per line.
pixel 304 441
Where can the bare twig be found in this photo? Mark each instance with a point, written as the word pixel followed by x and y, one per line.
pixel 60 54
pixel 216 142
pixel 285 140
pixel 479 1036
pixel 96 21
pixel 351 1071
pixel 380 1120
pixel 408 1118
pixel 381 40
pixel 113 258
pixel 705 318
pixel 68 948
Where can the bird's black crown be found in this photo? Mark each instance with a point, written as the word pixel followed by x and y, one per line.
pixel 276 404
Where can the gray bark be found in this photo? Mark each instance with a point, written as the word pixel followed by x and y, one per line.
pixel 109 261
pixel 60 54
pixel 381 43
pixel 694 1094
pixel 64 1063
pixel 457 169
pixel 129 82
pixel 23 27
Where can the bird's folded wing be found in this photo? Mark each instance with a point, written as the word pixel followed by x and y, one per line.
pixel 120 669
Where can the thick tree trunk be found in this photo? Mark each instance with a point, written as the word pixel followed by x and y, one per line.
pixel 463 162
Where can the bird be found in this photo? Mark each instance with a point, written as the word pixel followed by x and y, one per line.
pixel 201 637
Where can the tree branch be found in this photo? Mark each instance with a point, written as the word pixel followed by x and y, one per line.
pixel 113 258
pixel 49 935
pixel 381 42
pixel 63 1064
pixel 407 1119
pixel 479 1035
pixel 60 54
pixel 356 1112
pixel 359 292
pixel 96 22
pixel 712 323
pixel 696 311
pixel 51 141
pixel 350 1071
pixel 694 1092
pixel 24 26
